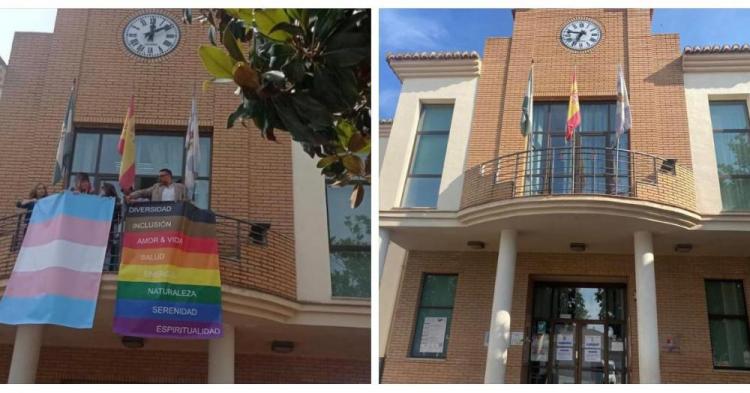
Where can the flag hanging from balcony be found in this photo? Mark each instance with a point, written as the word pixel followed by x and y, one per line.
pixel 527 110
pixel 126 148
pixel 623 119
pixel 193 151
pixel 574 111
pixel 169 284
pixel 59 267
pixel 65 145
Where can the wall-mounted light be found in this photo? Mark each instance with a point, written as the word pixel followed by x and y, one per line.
pixel 475 244
pixel 683 247
pixel 282 346
pixel 132 342
pixel 578 247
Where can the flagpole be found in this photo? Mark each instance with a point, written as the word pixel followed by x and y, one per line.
pixel 573 169
pixel 67 166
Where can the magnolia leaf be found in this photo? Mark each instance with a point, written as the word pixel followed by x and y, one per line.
pixel 344 130
pixel 245 76
pixel 353 164
pixel 325 161
pixel 243 14
pixel 216 61
pixel 358 194
pixel 357 142
pixel 233 46
pixel 266 20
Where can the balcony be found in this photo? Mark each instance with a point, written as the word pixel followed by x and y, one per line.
pixel 586 171
pixel 252 256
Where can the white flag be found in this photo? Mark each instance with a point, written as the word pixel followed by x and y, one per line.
pixel 623 119
pixel 193 151
pixel 65 144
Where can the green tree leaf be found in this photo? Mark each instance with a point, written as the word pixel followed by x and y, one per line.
pixel 216 61
pixel 266 20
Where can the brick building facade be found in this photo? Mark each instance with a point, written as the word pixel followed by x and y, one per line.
pixel 526 245
pixel 251 183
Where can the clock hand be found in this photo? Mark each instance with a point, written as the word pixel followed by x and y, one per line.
pixel 150 34
pixel 167 27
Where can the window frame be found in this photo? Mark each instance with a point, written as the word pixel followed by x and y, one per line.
pixel 418 134
pixel 726 316
pixel 342 248
pixel 729 131
pixel 100 177
pixel 446 339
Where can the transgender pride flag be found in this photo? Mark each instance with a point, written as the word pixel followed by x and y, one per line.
pixel 59 267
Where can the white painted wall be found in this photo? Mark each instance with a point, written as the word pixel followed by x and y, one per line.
pixel 310 229
pixel 383 144
pixel 459 91
pixel 700 88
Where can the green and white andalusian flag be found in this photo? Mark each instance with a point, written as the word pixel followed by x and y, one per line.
pixel 527 111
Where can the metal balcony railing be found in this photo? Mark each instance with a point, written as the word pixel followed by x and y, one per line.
pixel 580 171
pixel 251 254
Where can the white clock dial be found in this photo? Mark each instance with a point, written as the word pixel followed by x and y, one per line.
pixel 581 34
pixel 151 35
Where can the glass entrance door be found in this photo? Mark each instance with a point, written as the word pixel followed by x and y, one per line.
pixel 578 334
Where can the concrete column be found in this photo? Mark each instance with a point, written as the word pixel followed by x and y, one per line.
pixel 26 354
pixel 645 295
pixel 221 357
pixel 497 350
pixel 384 240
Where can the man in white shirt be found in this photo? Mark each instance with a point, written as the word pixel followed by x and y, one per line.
pixel 164 190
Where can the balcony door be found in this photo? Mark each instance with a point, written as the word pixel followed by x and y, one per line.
pixel 594 166
pixel 578 334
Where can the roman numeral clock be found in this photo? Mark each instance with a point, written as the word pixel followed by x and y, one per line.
pixel 151 36
pixel 581 34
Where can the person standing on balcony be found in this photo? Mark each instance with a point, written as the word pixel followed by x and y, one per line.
pixel 164 190
pixel 38 192
pixel 83 184
pixel 113 243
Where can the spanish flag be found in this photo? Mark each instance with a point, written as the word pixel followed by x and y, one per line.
pixel 126 148
pixel 574 111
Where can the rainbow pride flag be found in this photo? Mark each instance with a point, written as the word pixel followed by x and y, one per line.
pixel 169 284
pixel 59 267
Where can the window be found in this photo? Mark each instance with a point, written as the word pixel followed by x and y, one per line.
pixel 96 154
pixel 349 243
pixel 599 169
pixel 426 170
pixel 727 319
pixel 732 143
pixel 433 326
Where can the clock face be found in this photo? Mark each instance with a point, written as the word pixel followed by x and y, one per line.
pixel 581 34
pixel 151 35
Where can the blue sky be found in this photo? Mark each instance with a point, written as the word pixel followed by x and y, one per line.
pixel 435 30
pixel 12 20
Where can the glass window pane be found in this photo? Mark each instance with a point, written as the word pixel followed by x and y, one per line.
pixel 540 344
pixel 347 226
pixel 204 166
pixel 592 376
pixel 202 190
pixel 84 153
pixel 558 117
pixel 561 376
pixel 154 152
pixel 595 117
pixel 430 154
pixel 732 152
pixel 589 303
pixel 729 342
pixel 439 290
pixel 350 273
pixel 729 115
pixel 436 118
pixel 109 158
pixel 543 302
pixel 421 192
pixel 735 193
pixel 725 298
pixel 616 303
pixel 616 340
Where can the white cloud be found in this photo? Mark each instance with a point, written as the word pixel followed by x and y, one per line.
pixel 399 31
